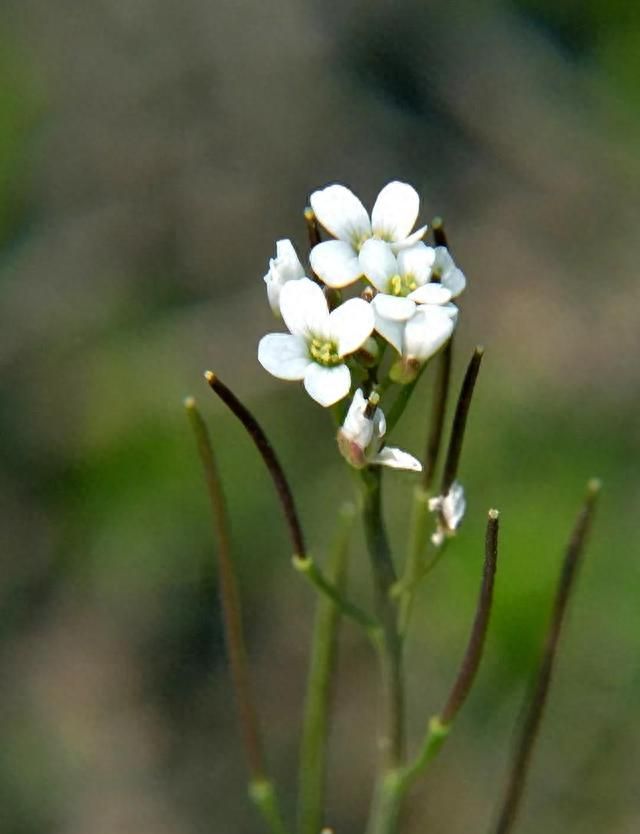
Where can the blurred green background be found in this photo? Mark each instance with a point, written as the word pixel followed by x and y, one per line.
pixel 150 155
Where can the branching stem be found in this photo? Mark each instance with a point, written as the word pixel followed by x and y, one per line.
pixel 334 592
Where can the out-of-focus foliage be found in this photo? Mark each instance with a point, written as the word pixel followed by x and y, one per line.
pixel 19 108
pixel 150 156
pixel 604 36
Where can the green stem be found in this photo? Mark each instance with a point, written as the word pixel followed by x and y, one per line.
pixel 387 802
pixel 333 591
pixel 402 400
pixel 384 813
pixel 437 733
pixel 424 568
pixel 384 578
pixel 392 793
pixel 312 775
pixel 262 794
pixel 393 788
pixel 418 537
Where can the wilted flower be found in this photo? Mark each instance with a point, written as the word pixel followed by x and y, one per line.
pixel 360 437
pixel 318 341
pixel 451 508
pixel 284 267
pixel 342 214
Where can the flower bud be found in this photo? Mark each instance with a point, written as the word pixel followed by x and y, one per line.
pixel 284 267
pixel 360 437
pixel 360 432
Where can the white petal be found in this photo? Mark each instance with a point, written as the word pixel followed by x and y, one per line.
pixel 353 422
pixel 431 294
pixel 451 310
pixel 284 267
pixel 341 213
pixel 454 281
pixel 303 307
pixel 397 459
pixel 357 427
pixel 454 505
pixel 336 263
pixel 350 325
pixel 417 260
pixel 286 262
pixel 378 263
pixel 444 262
pixel 327 385
pixel 426 332
pixel 283 355
pixel 399 245
pixel 393 307
pixel 392 331
pixel 273 294
pixel 395 211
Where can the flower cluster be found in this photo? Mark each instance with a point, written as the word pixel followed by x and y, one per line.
pixel 402 296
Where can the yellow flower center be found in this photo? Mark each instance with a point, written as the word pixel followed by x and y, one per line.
pixel 324 352
pixel 401 285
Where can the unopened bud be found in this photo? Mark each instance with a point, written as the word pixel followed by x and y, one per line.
pixel 351 450
pixel 363 427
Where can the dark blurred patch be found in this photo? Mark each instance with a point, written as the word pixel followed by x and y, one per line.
pixel 20 110
pixel 379 55
pixel 569 25
pixel 187 648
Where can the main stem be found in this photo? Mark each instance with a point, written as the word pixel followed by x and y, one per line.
pixel 383 820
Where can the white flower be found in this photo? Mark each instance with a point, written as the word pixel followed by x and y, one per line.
pixel 284 267
pixel 451 508
pixel 418 339
pixel 428 330
pixel 318 341
pixel 360 437
pixel 342 214
pixel 403 282
pixel 445 271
